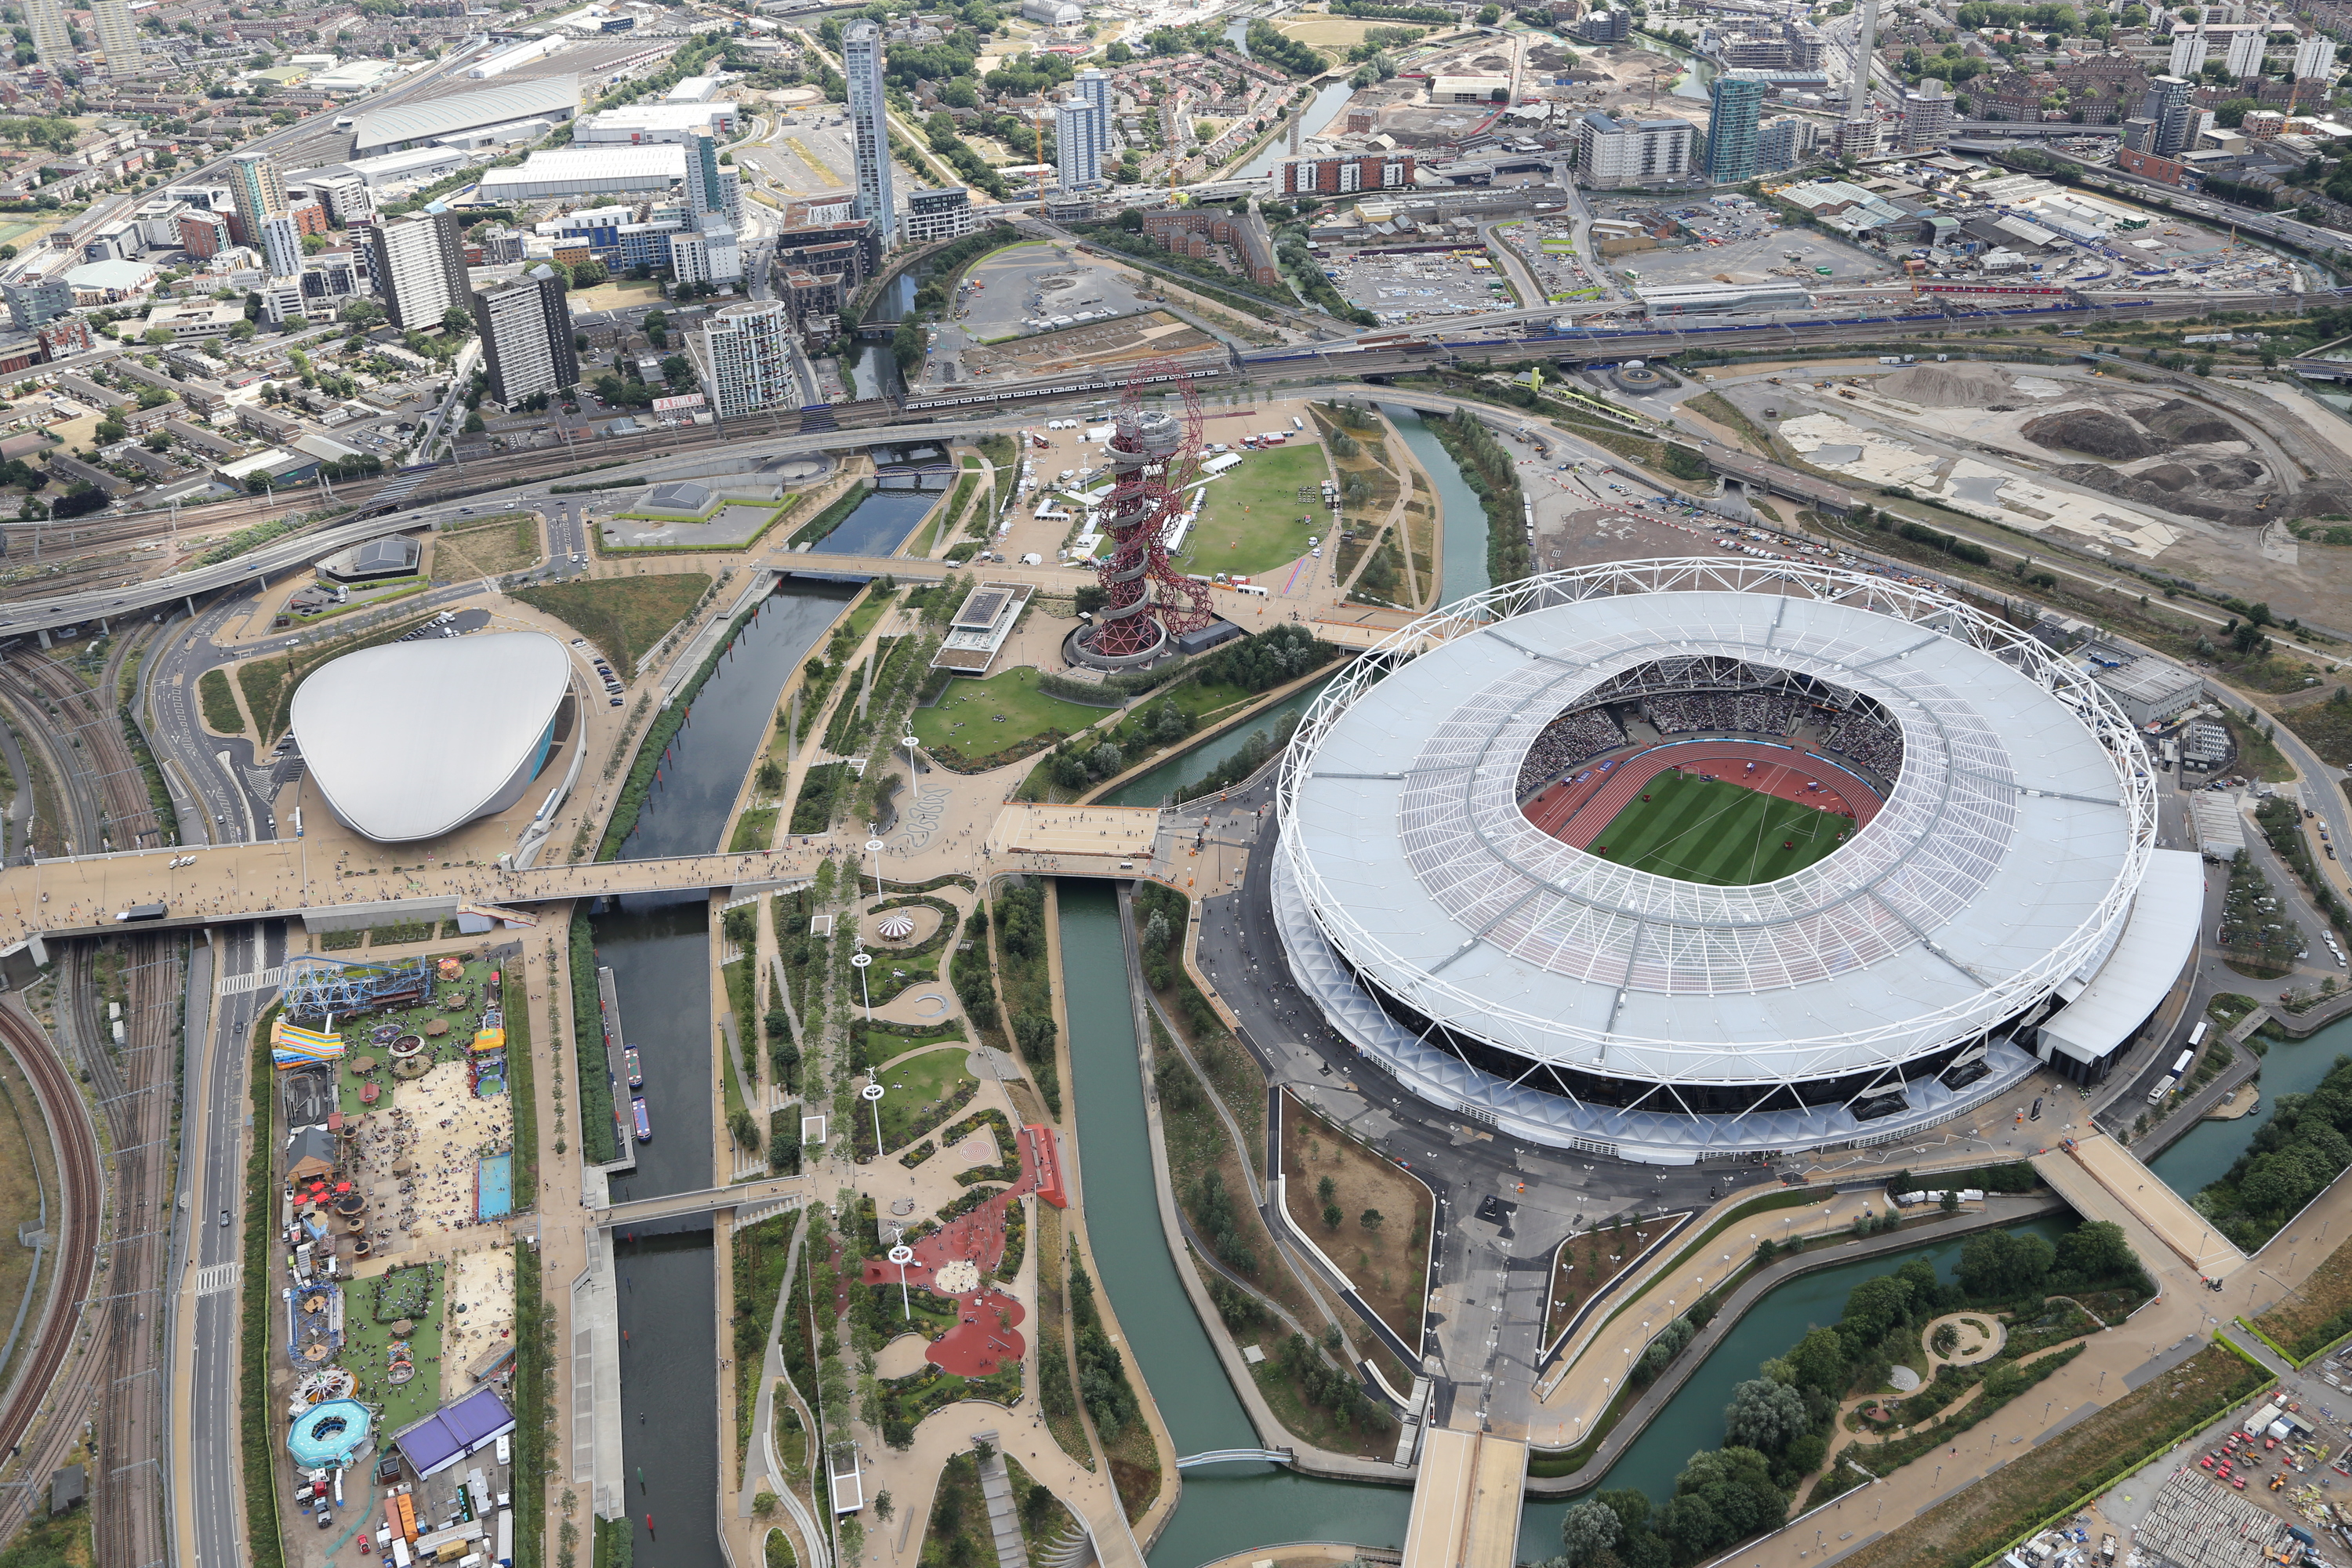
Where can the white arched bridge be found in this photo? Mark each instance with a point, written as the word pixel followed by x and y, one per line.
pixel 1235 1456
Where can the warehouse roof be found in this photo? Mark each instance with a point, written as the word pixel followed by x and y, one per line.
pixel 475 104
pixel 593 170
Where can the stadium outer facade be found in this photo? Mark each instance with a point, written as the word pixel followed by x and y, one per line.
pixel 2005 910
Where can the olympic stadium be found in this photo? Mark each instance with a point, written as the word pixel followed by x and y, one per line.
pixel 1690 859
pixel 416 737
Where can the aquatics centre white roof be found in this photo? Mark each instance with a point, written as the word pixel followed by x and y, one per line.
pixel 2004 860
pixel 411 740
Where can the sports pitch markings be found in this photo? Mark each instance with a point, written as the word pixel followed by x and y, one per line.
pixel 1717 833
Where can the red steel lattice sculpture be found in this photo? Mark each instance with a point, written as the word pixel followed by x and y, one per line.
pixel 1154 455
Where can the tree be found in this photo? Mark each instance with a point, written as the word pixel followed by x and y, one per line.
pixel 159 336
pixel 1819 1361
pixel 1327 1189
pixel 1950 1201
pixel 2096 1250
pixel 1588 1530
pixel 1489 14
pixel 1332 1217
pixel 1370 1219
pixel 1999 1265
pixel 1764 1414
pixel 474 425
pixel 459 320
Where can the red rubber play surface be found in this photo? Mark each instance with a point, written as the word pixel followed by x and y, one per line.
pixel 984 1340
pixel 1578 807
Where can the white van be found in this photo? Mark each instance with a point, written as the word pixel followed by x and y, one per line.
pixel 506 1451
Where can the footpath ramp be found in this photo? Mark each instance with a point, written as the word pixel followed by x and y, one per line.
pixel 2102 1181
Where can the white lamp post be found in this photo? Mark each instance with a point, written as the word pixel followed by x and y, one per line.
pixel 900 1255
pixel 873 848
pixel 872 1094
pixel 911 742
pixel 861 963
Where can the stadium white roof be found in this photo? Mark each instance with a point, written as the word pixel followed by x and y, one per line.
pixel 399 125
pixel 2003 862
pixel 411 740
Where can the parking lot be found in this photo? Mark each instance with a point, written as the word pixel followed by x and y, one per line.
pixel 1545 246
pixel 807 155
pixel 1420 284
pixel 1725 244
pixel 1034 289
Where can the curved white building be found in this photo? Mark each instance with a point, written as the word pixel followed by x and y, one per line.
pixel 415 738
pixel 2003 904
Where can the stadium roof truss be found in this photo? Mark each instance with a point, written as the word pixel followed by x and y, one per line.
pixel 2003 862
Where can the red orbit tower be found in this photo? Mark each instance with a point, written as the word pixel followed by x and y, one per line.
pixel 1154 455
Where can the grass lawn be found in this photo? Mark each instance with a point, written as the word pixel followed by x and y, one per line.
pixel 754 829
pixel 1252 519
pixel 914 1086
pixel 982 717
pixel 490 547
pixel 614 293
pixel 1718 833
pixel 1332 32
pixel 220 704
pixel 886 1047
pixel 623 617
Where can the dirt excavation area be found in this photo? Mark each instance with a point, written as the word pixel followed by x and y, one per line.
pixel 2199 479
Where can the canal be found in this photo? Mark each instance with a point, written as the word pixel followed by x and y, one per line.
pixel 2209 1149
pixel 1692 1419
pixel 1461 521
pixel 659 952
pixel 1173 778
pixel 1223 1512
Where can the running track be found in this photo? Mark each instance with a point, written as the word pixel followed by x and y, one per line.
pixel 1575 812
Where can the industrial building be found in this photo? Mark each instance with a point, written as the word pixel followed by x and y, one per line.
pixel 399 126
pixel 588 173
pixel 1699 299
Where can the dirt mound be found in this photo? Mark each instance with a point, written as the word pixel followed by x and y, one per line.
pixel 2186 424
pixel 2095 431
pixel 2172 476
pixel 1948 385
pixel 2190 489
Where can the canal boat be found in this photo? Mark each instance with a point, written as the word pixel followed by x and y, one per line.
pixel 644 1122
pixel 637 1073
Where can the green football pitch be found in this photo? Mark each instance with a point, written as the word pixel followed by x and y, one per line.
pixel 1722 834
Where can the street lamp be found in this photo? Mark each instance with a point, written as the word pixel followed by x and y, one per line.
pixel 901 1254
pixel 873 848
pixel 872 1094
pixel 861 961
pixel 911 742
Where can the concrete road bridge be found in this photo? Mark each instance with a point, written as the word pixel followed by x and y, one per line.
pixel 181 888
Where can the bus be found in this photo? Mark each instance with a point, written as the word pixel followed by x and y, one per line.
pixel 2180 1068
pixel 2197 1035
pixel 644 1122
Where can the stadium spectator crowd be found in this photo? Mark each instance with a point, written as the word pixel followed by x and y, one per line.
pixel 1690 712
pixel 1764 713
pixel 1567 740
pixel 1875 742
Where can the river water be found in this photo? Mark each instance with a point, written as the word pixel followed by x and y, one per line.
pixel 1692 1419
pixel 1461 521
pixel 1177 775
pixel 659 952
pixel 2208 1150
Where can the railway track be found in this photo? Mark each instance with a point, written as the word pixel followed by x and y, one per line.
pixel 77 1254
pixel 121 1379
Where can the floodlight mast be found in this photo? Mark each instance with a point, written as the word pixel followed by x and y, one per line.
pixel 1155 458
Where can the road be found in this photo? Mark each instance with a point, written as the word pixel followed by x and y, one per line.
pixel 205 1350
